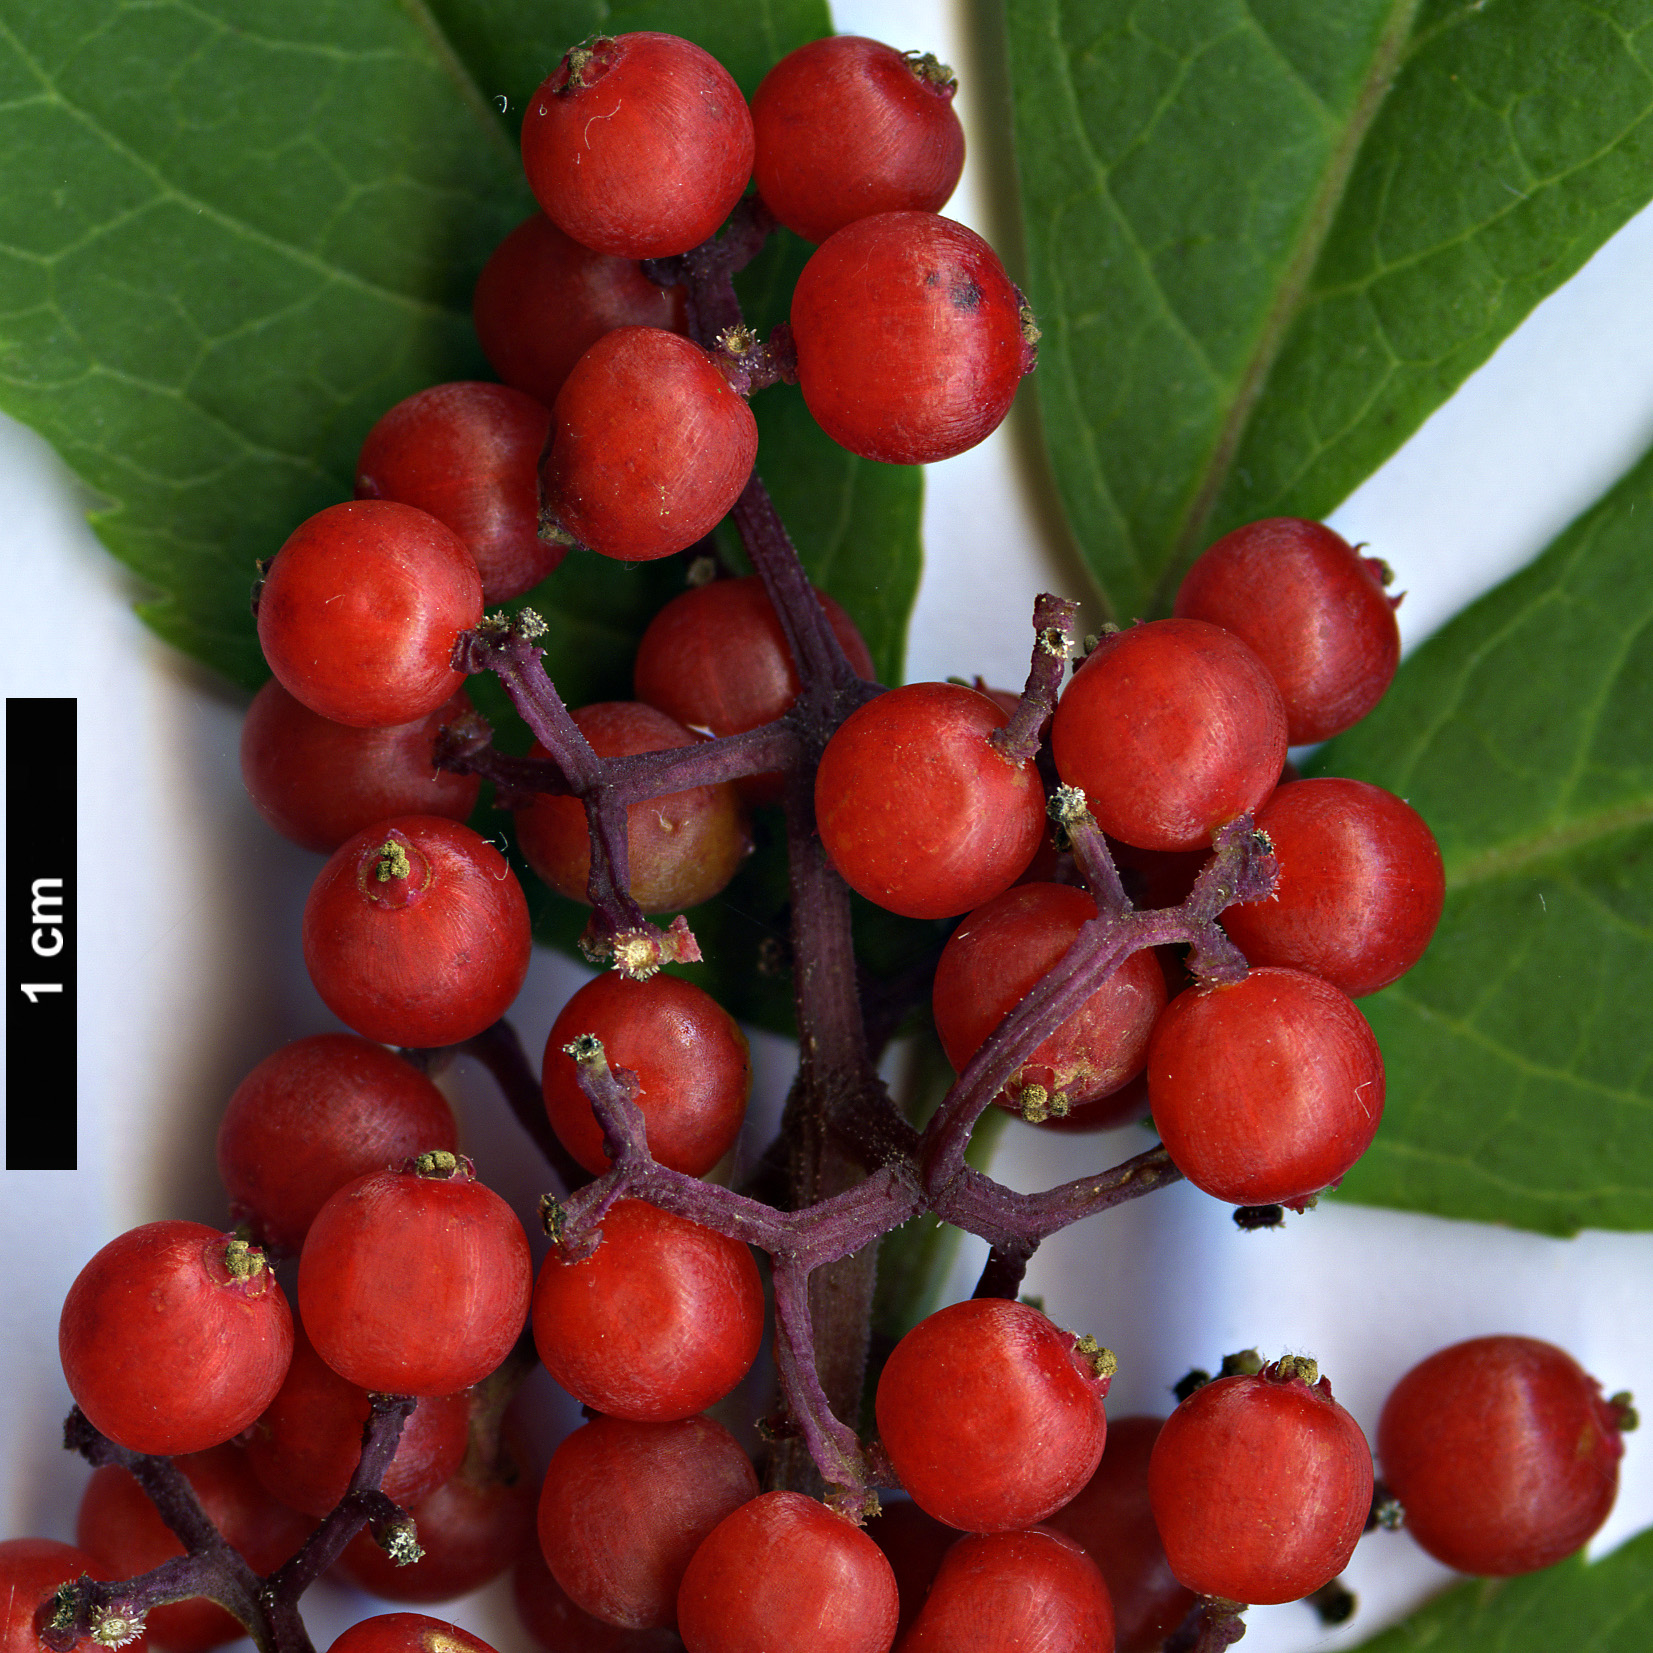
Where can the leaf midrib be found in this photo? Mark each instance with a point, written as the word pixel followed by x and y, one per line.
pixel 1288 298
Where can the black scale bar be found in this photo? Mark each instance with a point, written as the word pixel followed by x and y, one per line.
pixel 41 914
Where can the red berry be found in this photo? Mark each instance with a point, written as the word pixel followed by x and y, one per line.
pixel 407 1633
pixel 1503 1454
pixel 416 933
pixel 716 658
pixel 661 1320
pixel 916 807
pixel 1007 1592
pixel 911 339
pixel 415 1282
pixel 784 1574
pixel 317 1114
pixel 913 1543
pixel 847 127
pixel 1312 608
pixel 1260 1486
pixel 998 954
pixel 1170 729
pixel 693 1067
pixel 1111 1518
pixel 625 1506
pixel 1265 1092
pixel 119 1525
pixel 558 1626
pixel 473 1527
pixel 31 1569
pixel 638 144
pixel 318 782
pixel 1360 890
pixel 469 454
pixel 305 1444
pixel 650 446
pixel 174 1337
pixel 682 848
pixel 361 608
pixel 543 300
pixel 965 1391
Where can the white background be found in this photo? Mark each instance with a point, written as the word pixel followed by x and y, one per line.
pixel 188 912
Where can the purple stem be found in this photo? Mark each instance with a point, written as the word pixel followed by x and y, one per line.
pixel 751 366
pixel 1211 1626
pixel 831 689
pixel 618 928
pixel 1010 1221
pixel 800 1242
pixel 1001 1275
pixel 1018 740
pixel 1068 809
pixel 1241 869
pixel 639 775
pixel 211 1568
pixel 500 1051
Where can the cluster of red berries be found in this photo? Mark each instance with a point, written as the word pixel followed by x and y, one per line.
pixel 618 429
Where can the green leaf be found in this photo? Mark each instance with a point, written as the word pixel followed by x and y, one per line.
pixel 1520 1079
pixel 1266 238
pixel 226 249
pixel 512 45
pixel 1599 1608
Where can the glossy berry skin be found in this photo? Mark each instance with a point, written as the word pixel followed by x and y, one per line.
pixel 1006 1592
pixel 681 848
pixel 119 1525
pixel 847 127
pixel 407 1633
pixel 661 1320
pixel 1267 1091
pixel 784 1574
pixel 30 1570
pixel 1170 729
pixel 910 338
pixel 1111 1518
pixel 469 454
pixel 174 1337
pixel 650 446
pixel 716 658
pixel 415 1284
pixel 916 807
pixel 965 1391
pixel 625 1506
pixel 305 1444
pixel 693 1067
pixel 318 782
pixel 638 145
pixel 314 1115
pixel 361 608
pixel 416 933
pixel 1004 949
pixel 1260 1487
pixel 1360 890
pixel 1312 608
pixel 543 300
pixel 1503 1453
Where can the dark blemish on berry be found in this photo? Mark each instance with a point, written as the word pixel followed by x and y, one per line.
pixel 965 294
